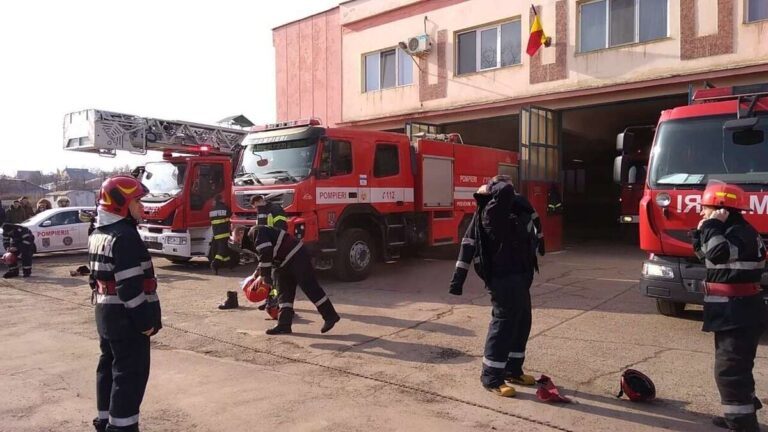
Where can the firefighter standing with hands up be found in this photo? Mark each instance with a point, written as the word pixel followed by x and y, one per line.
pixel 734 255
pixel 502 241
pixel 127 306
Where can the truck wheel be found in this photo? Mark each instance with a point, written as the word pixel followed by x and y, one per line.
pixel 355 255
pixel 179 260
pixel 670 308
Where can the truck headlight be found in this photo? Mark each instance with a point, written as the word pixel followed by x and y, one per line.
pixel 179 241
pixel 299 230
pixel 658 270
pixel 663 199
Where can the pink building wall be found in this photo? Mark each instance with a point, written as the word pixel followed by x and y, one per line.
pixel 308 68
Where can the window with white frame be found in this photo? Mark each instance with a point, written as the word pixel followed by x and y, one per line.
pixel 387 69
pixel 608 23
pixel 757 10
pixel 488 48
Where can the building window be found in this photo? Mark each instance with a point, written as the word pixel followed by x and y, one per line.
pixel 387 69
pixel 757 10
pixel 498 46
pixel 608 23
pixel 386 162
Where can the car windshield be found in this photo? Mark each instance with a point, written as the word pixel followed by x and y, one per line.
pixel 690 152
pixel 163 179
pixel 277 162
pixel 38 218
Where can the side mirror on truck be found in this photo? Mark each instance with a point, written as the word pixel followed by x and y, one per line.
pixel 625 142
pixel 620 169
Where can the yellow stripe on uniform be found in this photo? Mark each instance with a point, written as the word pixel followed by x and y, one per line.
pixel 221 236
pixel 219 221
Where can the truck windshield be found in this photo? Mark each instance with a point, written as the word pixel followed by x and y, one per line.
pixel 277 162
pixel 690 152
pixel 163 179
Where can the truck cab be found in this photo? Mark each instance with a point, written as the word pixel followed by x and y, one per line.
pixel 721 135
pixel 182 191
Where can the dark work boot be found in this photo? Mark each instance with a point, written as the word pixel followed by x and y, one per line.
pixel 11 274
pixel 100 424
pixel 215 267
pixel 230 302
pixel 284 321
pixel 742 423
pixel 330 316
pixel 27 273
pixel 132 428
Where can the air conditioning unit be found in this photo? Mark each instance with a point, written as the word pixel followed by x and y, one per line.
pixel 418 45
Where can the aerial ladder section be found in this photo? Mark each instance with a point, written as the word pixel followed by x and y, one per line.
pixel 105 133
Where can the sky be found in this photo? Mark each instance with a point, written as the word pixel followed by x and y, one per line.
pixel 189 60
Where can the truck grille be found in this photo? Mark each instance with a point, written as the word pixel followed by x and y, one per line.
pixel 285 199
pixel 153 245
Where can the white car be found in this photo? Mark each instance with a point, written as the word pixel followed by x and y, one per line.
pixel 58 229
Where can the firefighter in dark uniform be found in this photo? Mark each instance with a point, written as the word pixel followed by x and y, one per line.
pixel 220 226
pixel 501 242
pixel 287 259
pixel 19 240
pixel 127 306
pixel 268 214
pixel 733 306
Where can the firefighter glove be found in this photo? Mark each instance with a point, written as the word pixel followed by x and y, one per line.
pixel 540 249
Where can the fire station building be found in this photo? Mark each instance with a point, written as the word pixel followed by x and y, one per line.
pixel 460 66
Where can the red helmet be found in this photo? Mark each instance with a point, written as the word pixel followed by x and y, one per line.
pixel 273 311
pixel 719 194
pixel 637 386
pixel 116 192
pixel 255 289
pixel 10 258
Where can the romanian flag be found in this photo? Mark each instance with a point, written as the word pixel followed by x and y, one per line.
pixel 537 37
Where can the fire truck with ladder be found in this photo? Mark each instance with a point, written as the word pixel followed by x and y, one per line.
pixel 355 196
pixel 196 166
pixel 720 135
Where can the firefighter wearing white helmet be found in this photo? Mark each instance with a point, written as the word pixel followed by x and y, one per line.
pixel 734 255
pixel 127 306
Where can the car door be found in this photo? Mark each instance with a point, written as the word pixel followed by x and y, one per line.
pixel 59 232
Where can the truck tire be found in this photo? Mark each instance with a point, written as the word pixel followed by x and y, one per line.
pixel 354 259
pixel 669 308
pixel 179 260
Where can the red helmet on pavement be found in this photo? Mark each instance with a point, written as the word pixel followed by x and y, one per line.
pixel 10 258
pixel 637 386
pixel 255 289
pixel 719 194
pixel 116 192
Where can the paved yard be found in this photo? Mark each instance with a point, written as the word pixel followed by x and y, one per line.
pixel 406 356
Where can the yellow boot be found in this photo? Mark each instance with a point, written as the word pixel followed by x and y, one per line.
pixel 503 390
pixel 523 379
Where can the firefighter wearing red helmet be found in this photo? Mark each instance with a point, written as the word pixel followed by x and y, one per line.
pixel 734 255
pixel 127 306
pixel 20 241
pixel 280 253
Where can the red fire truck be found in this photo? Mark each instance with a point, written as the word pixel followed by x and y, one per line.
pixel 634 144
pixel 721 135
pixel 354 196
pixel 196 166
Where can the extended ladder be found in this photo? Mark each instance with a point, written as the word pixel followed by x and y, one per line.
pixel 105 132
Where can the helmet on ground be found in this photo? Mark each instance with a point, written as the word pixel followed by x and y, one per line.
pixel 255 289
pixel 116 192
pixel 719 194
pixel 637 386
pixel 10 258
